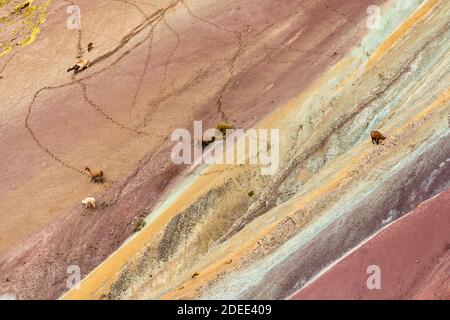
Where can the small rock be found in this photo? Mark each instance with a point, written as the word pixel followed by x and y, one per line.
pixel 139 224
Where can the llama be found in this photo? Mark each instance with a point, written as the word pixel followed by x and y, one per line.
pixel 376 137
pixel 81 64
pixel 95 176
pixel 89 202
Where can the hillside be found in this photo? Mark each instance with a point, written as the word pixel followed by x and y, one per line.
pixel 314 70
